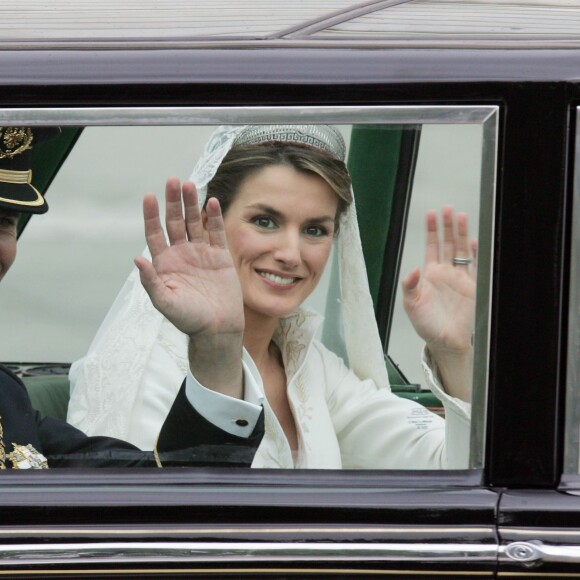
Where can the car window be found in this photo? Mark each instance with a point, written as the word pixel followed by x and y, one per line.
pixel 448 172
pixel 73 261
pixel 572 447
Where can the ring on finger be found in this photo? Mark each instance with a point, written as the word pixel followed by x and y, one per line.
pixel 462 261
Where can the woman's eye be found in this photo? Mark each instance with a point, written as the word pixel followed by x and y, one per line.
pixel 264 222
pixel 316 231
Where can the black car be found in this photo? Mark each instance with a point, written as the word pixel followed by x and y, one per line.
pixel 468 102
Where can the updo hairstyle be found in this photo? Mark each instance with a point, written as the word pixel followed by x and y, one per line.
pixel 245 160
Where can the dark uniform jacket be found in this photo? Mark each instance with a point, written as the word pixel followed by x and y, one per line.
pixel 28 440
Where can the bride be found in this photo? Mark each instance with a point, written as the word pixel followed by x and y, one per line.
pixel 222 303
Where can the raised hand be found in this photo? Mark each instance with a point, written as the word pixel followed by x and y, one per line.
pixel 192 280
pixel 440 302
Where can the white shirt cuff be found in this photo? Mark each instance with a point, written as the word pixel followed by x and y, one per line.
pixel 462 408
pixel 235 416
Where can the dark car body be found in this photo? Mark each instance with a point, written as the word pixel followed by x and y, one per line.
pixel 516 513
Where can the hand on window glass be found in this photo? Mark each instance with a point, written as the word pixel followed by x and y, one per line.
pixel 192 281
pixel 440 301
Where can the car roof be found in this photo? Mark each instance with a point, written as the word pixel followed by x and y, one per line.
pixel 257 23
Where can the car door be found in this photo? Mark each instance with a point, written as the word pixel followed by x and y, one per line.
pixel 232 522
pixel 538 523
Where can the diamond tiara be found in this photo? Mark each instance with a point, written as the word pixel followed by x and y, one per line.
pixel 322 137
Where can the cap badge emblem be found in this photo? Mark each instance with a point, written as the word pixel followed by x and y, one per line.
pixel 14 140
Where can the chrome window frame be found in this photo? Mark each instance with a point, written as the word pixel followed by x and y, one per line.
pixel 485 115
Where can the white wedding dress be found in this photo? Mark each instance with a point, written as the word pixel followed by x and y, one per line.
pixel 128 380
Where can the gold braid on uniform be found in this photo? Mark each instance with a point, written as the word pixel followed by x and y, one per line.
pixel 23 456
pixel 2 450
pixel 156 453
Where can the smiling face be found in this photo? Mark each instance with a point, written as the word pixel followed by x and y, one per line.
pixel 280 228
pixel 8 229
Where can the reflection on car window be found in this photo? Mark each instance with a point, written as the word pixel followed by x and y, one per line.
pixel 96 201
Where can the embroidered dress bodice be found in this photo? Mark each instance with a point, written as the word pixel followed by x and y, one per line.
pixel 344 422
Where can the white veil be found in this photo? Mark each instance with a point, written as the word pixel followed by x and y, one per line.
pixel 127 381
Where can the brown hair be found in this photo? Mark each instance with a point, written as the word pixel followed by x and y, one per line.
pixel 245 160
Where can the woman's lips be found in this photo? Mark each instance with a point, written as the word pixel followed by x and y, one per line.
pixel 277 280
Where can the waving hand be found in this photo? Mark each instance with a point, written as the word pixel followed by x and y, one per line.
pixel 441 302
pixel 192 281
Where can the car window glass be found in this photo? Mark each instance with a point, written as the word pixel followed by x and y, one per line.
pixel 572 448
pixel 448 172
pixel 73 261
